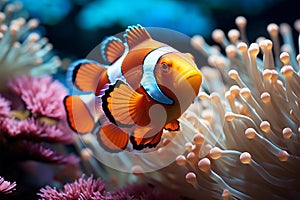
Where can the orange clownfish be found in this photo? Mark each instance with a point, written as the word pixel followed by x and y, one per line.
pixel 145 89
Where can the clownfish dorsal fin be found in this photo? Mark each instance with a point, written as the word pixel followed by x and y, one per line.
pixel 135 35
pixel 86 74
pixel 112 48
pixel 172 126
pixel 122 105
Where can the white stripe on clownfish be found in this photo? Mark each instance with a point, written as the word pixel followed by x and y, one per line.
pixel 148 81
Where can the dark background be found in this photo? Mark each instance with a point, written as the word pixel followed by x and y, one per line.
pixel 71 41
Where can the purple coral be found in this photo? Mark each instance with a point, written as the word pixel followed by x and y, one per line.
pixel 34 130
pixel 27 132
pixel 145 191
pixel 4 107
pixel 96 189
pixel 80 189
pixel 6 187
pixel 42 96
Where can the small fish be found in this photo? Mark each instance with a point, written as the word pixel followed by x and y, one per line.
pixel 145 89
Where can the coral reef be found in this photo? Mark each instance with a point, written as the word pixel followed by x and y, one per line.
pixel 91 188
pixel 33 127
pixel 32 118
pixel 239 140
pixel 38 118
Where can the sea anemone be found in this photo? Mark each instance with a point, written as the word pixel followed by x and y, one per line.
pixel 240 140
pixel 22 50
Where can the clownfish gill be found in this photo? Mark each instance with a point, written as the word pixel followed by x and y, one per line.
pixel 145 89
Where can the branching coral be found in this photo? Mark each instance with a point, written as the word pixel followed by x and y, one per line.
pixel 242 140
pixel 35 121
pixel 96 189
pixel 32 118
pixel 33 127
pixel 79 189
pixel 22 50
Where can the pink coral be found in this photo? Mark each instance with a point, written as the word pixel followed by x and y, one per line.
pixel 26 133
pixel 6 187
pixel 79 189
pixel 4 107
pixel 42 96
pixel 35 131
pixel 96 189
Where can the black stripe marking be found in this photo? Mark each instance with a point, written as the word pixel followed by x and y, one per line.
pixel 75 71
pixel 67 112
pixel 105 108
pixel 134 144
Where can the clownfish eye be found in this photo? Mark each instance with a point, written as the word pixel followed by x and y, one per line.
pixel 165 64
pixel 165 67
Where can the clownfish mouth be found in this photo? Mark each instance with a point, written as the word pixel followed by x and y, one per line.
pixel 193 74
pixel 194 80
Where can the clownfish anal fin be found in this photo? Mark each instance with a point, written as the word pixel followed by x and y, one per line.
pixel 80 119
pixel 173 125
pixel 135 35
pixel 86 75
pixel 122 105
pixel 112 48
pixel 112 138
pixel 145 137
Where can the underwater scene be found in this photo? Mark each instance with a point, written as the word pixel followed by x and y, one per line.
pixel 149 100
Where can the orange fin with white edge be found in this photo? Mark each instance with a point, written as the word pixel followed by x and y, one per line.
pixel 145 137
pixel 122 105
pixel 112 138
pixel 86 75
pixel 112 48
pixel 172 126
pixel 135 35
pixel 80 118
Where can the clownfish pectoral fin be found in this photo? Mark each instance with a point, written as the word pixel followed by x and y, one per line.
pixel 172 126
pixel 112 48
pixel 135 35
pixel 80 117
pixel 112 138
pixel 86 75
pixel 145 137
pixel 122 105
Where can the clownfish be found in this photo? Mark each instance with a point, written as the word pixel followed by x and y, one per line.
pixel 145 89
